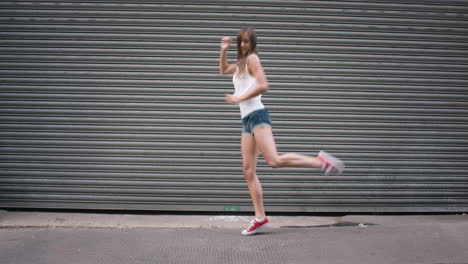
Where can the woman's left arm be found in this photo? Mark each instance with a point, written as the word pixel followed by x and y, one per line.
pixel 255 68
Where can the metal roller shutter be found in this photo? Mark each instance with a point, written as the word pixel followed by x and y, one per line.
pixel 119 104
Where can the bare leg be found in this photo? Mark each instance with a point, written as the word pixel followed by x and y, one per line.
pixel 249 160
pixel 266 144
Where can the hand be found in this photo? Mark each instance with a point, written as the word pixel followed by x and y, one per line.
pixel 232 99
pixel 226 42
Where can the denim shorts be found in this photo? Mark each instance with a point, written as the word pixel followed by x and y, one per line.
pixel 255 119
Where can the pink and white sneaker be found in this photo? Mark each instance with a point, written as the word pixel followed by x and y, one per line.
pixel 330 164
pixel 254 227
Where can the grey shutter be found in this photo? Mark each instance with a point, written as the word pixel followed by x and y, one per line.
pixel 119 104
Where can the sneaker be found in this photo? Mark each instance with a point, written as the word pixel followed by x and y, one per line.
pixel 330 164
pixel 254 227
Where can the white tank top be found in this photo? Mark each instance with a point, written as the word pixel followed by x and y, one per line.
pixel 242 84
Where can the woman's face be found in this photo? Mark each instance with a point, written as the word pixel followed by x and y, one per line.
pixel 246 45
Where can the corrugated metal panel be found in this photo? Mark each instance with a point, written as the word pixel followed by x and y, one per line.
pixel 119 104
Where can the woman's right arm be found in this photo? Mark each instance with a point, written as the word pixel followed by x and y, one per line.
pixel 224 67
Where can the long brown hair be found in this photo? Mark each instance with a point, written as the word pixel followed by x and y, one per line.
pixel 242 61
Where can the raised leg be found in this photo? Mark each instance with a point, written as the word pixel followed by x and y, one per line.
pixel 266 144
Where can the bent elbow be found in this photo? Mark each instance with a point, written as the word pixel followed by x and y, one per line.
pixel 223 71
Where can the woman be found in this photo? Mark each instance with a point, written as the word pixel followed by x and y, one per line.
pixel 250 83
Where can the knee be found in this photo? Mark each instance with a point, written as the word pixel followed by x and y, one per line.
pixel 249 173
pixel 274 162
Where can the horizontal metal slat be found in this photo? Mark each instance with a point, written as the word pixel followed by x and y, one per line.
pixel 196 40
pixel 165 33
pixel 355 172
pixel 426 91
pixel 202 130
pixel 158 48
pixel 33 61
pixel 115 78
pixel 171 187
pixel 232 200
pixel 361 70
pixel 212 100
pixel 285 124
pixel 314 111
pixel 269 177
pixel 227 146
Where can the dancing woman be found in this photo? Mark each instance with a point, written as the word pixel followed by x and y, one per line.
pixel 250 82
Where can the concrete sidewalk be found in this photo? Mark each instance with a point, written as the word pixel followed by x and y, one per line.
pixel 97 220
pixel 10 219
pixel 29 237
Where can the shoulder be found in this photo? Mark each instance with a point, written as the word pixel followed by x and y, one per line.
pixel 253 60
